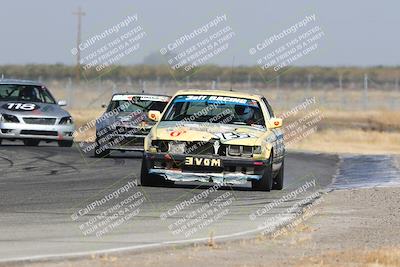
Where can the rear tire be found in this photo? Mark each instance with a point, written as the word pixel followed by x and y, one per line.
pixel 31 142
pixel 65 143
pixel 278 181
pixel 265 183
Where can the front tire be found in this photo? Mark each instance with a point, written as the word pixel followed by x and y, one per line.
pixel 65 143
pixel 265 183
pixel 147 179
pixel 278 181
pixel 31 142
pixel 103 153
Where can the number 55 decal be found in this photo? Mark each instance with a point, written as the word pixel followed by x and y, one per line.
pixel 21 106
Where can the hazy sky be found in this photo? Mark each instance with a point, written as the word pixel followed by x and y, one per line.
pixel 355 32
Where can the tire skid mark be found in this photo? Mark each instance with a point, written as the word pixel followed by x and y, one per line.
pixel 34 162
pixel 10 162
pixel 366 171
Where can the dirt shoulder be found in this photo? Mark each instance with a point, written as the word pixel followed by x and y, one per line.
pixel 349 228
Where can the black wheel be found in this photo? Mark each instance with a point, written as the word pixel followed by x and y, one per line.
pixel 100 151
pixel 265 183
pixel 278 181
pixel 147 179
pixel 65 143
pixel 31 142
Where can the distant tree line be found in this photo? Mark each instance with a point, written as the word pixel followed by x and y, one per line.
pixel 239 74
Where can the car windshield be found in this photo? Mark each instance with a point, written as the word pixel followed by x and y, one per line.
pixel 215 109
pixel 31 93
pixel 138 103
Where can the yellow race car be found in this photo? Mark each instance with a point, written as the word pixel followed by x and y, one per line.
pixel 215 136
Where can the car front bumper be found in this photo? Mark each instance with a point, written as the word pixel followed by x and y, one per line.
pixel 36 131
pixel 123 142
pixel 232 171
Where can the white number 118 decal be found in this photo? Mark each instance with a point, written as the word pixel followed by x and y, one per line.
pixel 16 106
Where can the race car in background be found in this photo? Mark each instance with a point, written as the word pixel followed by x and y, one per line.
pixel 125 123
pixel 29 112
pixel 215 136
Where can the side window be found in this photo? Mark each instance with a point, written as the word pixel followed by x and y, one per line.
pixel 270 111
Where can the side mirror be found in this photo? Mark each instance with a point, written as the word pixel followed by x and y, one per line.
pixel 154 115
pixel 275 123
pixel 103 105
pixel 62 103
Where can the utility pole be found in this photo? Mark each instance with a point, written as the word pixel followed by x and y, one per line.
pixel 277 82
pixel 79 14
pixel 278 92
pixel 187 82
pixel 231 80
pixel 341 90
pixel 309 79
pixel 365 90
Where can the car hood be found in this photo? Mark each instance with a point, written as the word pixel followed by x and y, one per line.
pixel 226 133
pixel 32 109
pixel 125 119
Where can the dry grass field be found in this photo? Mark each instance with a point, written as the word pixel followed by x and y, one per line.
pixel 365 132
pixel 347 125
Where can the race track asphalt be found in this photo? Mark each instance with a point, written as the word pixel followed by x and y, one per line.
pixel 42 190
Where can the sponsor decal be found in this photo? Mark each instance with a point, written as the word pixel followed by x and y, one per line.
pixel 216 99
pixel 155 98
pixel 233 135
pixel 20 106
pixel 195 161
pixel 141 97
pixel 176 133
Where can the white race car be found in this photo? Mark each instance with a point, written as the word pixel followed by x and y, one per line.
pixel 29 112
pixel 125 123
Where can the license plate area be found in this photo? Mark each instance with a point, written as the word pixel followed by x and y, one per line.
pixel 203 162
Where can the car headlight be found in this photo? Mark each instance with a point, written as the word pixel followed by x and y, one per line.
pixel 257 150
pixel 176 147
pixel 66 120
pixel 245 151
pixel 8 118
pixel 234 150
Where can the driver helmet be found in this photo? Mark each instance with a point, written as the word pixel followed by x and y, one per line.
pixel 245 113
pixel 28 94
